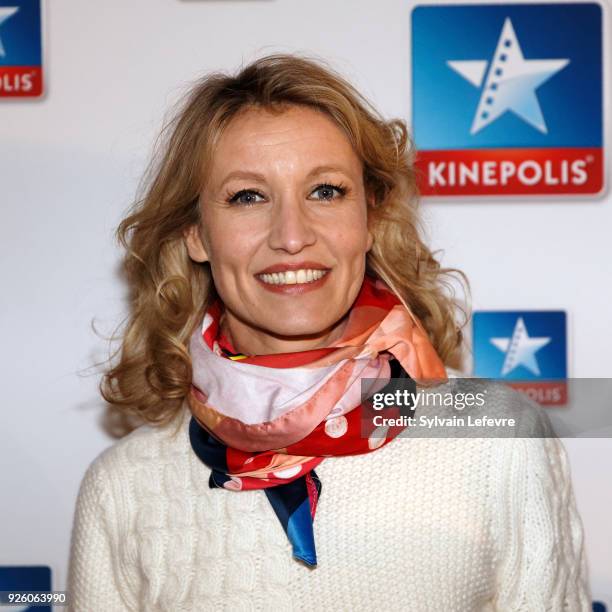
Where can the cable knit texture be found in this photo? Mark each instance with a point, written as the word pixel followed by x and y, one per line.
pixel 421 524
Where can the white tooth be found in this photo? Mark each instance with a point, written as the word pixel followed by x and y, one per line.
pixel 292 277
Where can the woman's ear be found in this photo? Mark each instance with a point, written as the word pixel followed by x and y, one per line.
pixel 194 244
pixel 370 240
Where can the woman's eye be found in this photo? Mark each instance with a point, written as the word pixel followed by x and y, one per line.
pixel 246 197
pixel 327 191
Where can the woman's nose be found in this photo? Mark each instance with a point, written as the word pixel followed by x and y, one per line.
pixel 291 228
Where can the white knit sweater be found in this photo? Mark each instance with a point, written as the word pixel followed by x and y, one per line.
pixel 419 525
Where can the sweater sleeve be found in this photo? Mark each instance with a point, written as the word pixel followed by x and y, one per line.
pixel 92 586
pixel 542 562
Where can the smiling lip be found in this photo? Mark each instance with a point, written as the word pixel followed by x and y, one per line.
pixel 300 265
pixel 296 288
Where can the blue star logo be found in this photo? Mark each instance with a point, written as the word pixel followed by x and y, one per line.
pixel 520 349
pixel 510 83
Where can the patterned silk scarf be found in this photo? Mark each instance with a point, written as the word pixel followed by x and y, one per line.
pixel 266 421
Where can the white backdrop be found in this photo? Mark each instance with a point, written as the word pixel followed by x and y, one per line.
pixel 69 167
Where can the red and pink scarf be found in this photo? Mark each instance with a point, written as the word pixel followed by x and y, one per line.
pixel 266 421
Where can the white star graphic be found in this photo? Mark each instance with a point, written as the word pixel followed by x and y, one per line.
pixel 511 82
pixel 5 13
pixel 520 349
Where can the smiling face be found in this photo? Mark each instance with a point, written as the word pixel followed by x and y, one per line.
pixel 284 192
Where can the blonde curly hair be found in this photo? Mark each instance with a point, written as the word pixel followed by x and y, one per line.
pixel 149 375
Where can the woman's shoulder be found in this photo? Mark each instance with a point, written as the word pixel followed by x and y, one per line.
pixel 496 399
pixel 139 455
pixel 494 441
pixel 527 455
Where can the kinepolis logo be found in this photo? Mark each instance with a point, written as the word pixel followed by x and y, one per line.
pixel 507 99
pixel 18 583
pixel 20 48
pixel 526 349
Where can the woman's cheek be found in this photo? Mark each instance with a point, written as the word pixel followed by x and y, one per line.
pixel 355 244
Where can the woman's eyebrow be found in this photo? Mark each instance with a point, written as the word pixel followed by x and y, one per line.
pixel 256 176
pixel 242 174
pixel 322 169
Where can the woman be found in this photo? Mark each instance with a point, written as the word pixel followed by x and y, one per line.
pixel 275 264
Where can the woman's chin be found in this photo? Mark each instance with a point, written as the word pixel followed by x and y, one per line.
pixel 299 329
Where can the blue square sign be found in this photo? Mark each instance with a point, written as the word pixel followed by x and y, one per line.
pixel 508 98
pixel 525 348
pixel 21 71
